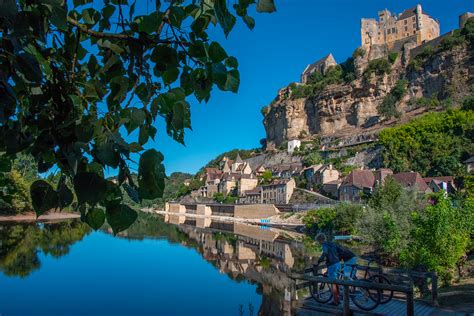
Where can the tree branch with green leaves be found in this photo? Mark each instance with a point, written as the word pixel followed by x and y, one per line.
pixel 68 76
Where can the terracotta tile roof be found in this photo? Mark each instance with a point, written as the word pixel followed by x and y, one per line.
pixel 360 179
pixel 411 179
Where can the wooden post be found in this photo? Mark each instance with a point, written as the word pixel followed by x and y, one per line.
pixel 434 288
pixel 410 304
pixel 347 310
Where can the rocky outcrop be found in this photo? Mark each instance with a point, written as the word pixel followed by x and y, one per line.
pixel 348 109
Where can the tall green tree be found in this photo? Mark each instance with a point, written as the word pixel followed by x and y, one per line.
pixel 75 76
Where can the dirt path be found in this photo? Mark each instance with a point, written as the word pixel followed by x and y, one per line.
pixel 31 217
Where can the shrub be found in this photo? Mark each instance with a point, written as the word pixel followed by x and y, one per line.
pixel 264 110
pixel 388 107
pixel 468 103
pixel 313 158
pixel 432 102
pixel 392 57
pixel 386 221
pixel 379 66
pixel 468 29
pixel 359 52
pixel 339 219
pixel 439 239
pixel 450 41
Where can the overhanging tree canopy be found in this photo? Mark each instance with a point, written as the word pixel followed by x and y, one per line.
pixel 69 73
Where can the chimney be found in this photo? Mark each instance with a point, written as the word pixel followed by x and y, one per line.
pixel 330 167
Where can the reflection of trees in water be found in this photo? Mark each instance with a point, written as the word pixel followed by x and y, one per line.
pixel 20 244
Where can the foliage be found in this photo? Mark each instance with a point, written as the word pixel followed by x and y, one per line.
pixel 21 244
pixel 227 199
pixel 388 107
pixel 265 110
pixel 232 155
pixel 392 57
pixel 358 52
pixel 431 102
pixel 339 219
pixel 266 177
pixel 379 67
pixel 430 143
pixel 313 158
pixel 15 197
pixel 386 221
pixel 439 238
pixel 450 41
pixel 468 103
pixel 71 82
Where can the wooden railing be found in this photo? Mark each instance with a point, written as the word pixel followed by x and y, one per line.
pixel 407 289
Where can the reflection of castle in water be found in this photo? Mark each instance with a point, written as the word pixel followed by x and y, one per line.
pixel 257 254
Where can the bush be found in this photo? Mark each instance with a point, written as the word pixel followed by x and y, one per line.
pixel 359 52
pixel 378 66
pixel 468 29
pixel 431 102
pixel 340 219
pixel 450 41
pixel 388 107
pixel 313 158
pixel 392 57
pixel 439 238
pixel 468 103
pixel 386 221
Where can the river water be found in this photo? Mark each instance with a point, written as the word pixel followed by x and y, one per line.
pixel 160 266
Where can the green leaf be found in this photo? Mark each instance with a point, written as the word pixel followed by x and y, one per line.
pixel 224 17
pixel 216 52
pixel 90 188
pixel 150 23
pixel 90 16
pixel 164 57
pixel 59 17
pixel 120 217
pixel 233 81
pixel 135 116
pixel 43 197
pixel 266 6
pixel 231 62
pixel 107 154
pixel 143 135
pixel 29 67
pixel 65 196
pixel 5 164
pixel 80 2
pixel 170 75
pixel 95 218
pixel 219 75
pixel 108 44
pixel 249 21
pixel 151 175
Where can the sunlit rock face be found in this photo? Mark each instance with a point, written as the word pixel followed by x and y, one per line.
pixel 347 109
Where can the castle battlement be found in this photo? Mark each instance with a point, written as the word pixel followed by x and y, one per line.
pixel 411 25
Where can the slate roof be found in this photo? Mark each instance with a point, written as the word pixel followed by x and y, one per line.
pixel 470 160
pixel 360 179
pixel 446 179
pixel 407 13
pixel 238 159
pixel 318 64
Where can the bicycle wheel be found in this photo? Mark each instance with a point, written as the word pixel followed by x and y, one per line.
pixel 365 298
pixel 320 291
pixel 386 295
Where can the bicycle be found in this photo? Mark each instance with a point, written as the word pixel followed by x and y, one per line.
pixel 387 295
pixel 365 298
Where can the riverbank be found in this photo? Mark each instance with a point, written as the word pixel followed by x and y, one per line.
pixel 31 217
pixel 277 221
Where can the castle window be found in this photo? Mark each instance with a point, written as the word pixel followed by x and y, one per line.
pixel 414 25
pixel 414 31
pixel 413 18
pixel 406 28
pixel 405 21
pixel 393 30
pixel 388 31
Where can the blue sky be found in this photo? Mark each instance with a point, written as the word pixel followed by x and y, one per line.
pixel 271 56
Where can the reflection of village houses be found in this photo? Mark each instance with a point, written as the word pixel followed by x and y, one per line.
pixel 254 253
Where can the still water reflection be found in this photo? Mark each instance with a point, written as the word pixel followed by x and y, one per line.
pixel 170 266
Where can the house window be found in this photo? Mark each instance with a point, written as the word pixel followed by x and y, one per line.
pixel 388 31
pixel 393 30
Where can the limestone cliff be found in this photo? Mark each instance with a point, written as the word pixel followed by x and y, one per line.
pixel 351 108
